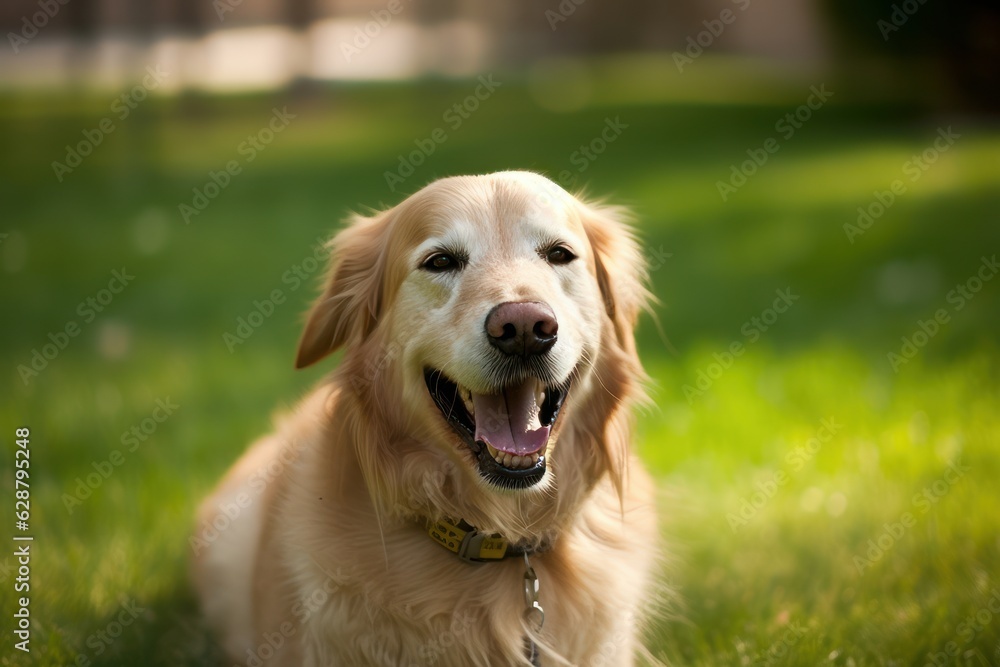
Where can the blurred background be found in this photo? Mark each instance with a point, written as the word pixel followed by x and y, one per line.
pixel 816 187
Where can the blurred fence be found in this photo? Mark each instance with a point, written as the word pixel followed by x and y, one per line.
pixel 948 49
pixel 240 44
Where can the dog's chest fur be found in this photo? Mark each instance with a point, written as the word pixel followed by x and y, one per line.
pixel 389 595
pixel 423 611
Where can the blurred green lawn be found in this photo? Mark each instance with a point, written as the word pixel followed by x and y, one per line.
pixel 782 587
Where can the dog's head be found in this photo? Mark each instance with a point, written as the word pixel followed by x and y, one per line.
pixel 483 317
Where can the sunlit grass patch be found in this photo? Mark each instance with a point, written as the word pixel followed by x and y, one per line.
pixel 878 541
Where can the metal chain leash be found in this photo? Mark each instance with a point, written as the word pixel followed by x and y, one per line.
pixel 534 615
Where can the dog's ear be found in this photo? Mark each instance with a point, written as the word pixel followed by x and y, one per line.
pixel 621 268
pixel 622 276
pixel 352 300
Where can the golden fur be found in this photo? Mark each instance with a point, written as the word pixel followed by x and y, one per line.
pixel 313 549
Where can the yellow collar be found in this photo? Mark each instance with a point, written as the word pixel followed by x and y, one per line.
pixel 474 546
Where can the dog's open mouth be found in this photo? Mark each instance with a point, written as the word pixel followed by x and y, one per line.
pixel 508 431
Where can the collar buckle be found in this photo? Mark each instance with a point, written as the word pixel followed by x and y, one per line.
pixel 471 545
pixel 479 547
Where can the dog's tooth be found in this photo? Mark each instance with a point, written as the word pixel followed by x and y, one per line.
pixel 466 396
pixel 491 449
pixel 507 458
pixel 534 459
pixel 515 462
pixel 539 393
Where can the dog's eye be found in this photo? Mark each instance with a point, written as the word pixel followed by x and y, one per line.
pixel 559 255
pixel 442 261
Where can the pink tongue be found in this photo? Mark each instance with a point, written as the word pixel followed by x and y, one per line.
pixel 509 421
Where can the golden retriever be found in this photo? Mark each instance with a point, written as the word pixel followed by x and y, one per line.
pixel 461 490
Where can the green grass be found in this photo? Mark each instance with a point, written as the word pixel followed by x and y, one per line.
pixel 791 566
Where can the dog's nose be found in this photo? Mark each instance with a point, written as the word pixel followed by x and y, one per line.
pixel 522 328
